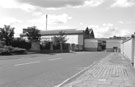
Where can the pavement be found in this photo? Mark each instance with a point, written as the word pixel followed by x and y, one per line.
pixel 113 71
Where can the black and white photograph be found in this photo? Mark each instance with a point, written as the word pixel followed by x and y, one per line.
pixel 67 43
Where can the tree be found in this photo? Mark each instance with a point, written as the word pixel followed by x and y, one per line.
pixel 21 43
pixel 7 34
pixel 60 39
pixel 91 33
pixel 88 33
pixel 33 33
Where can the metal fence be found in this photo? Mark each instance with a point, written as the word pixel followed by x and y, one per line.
pixel 128 49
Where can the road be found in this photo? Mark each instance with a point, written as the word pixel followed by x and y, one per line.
pixel 43 70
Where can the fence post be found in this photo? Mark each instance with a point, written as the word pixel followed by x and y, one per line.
pixel 133 50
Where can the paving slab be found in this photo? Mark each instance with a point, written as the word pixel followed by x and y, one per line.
pixel 112 71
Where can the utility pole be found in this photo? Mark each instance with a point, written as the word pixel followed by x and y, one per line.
pixel 46 21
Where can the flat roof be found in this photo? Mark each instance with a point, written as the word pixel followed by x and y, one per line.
pixel 56 32
pixel 67 32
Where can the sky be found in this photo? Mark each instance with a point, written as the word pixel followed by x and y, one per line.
pixel 106 17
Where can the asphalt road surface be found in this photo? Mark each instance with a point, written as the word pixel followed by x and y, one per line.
pixel 43 70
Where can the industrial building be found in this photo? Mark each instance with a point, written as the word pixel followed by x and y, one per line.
pixel 102 44
pixel 84 39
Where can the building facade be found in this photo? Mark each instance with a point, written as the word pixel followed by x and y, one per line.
pixel 73 36
pixel 102 44
pixel 83 39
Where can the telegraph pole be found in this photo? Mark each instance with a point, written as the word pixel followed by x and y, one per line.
pixel 46 21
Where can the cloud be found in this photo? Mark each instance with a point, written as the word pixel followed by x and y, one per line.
pixel 121 22
pixel 108 25
pixel 93 3
pixel 126 22
pixel 62 3
pixel 108 30
pixel 59 19
pixel 53 20
pixel 27 7
pixel 9 21
pixel 39 5
pixel 54 3
pixel 37 14
pixel 13 22
pixel 10 4
pixel 123 3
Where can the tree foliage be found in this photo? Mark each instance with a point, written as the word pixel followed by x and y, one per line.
pixel 61 38
pixel 33 33
pixel 7 34
pixel 89 33
pixel 21 43
pixel 92 33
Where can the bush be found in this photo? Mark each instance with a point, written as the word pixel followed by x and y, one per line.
pixel 20 43
pixel 45 45
pixel 8 50
pixel 5 51
pixel 18 51
pixel 56 46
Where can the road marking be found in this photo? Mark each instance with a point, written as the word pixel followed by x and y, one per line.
pixel 54 59
pixel 27 63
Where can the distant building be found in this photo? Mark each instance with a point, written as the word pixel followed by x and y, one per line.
pixel 102 44
pixel 73 36
pixel 119 37
pixel 84 39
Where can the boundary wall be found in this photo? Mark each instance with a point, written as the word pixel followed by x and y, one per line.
pixel 128 49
